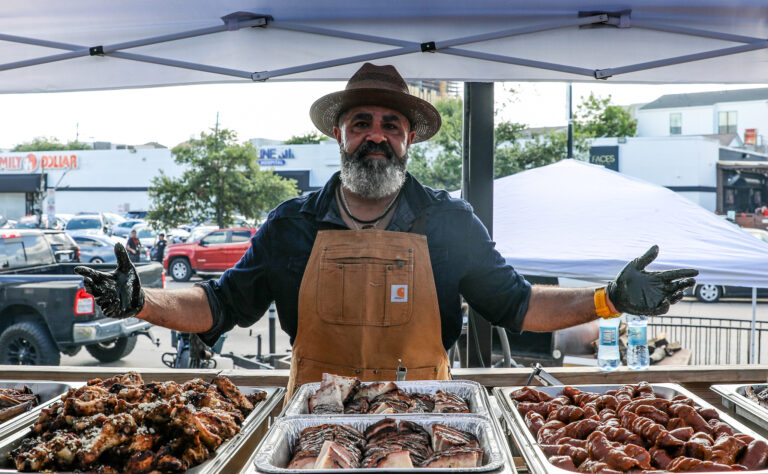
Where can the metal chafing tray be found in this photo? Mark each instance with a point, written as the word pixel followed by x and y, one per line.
pixel 536 459
pixel 275 451
pixel 216 464
pixel 735 400
pixel 473 392
pixel 48 393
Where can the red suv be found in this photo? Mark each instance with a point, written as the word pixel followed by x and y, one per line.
pixel 215 252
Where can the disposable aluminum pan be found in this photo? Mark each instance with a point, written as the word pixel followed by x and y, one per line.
pixel 535 458
pixel 220 458
pixel 735 399
pixel 47 393
pixel 473 392
pixel 276 451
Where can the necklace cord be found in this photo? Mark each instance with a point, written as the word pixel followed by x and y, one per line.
pixel 373 221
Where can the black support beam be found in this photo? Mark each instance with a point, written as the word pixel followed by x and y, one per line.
pixel 477 189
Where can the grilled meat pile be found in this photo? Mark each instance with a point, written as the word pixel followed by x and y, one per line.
pixel 631 429
pixel 338 394
pixel 15 401
pixel 124 425
pixel 386 444
pixel 760 395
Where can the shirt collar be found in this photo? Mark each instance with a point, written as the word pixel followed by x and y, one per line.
pixel 322 204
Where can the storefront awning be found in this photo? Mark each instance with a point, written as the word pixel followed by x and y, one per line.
pixel 21 183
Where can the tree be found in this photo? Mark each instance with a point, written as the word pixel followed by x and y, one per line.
pixel 595 117
pixel 311 138
pixel 50 144
pixel 222 178
pixel 438 162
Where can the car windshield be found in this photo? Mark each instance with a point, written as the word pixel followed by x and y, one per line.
pixel 144 233
pixel 80 223
pixel 198 234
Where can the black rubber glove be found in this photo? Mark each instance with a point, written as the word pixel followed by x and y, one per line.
pixel 118 294
pixel 636 291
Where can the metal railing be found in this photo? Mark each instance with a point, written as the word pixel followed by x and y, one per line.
pixel 712 341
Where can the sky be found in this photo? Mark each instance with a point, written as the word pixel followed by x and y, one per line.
pixel 171 115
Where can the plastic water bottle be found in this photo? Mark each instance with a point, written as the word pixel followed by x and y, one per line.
pixel 637 342
pixel 608 357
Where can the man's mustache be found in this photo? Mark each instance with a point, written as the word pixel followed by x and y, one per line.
pixel 373 147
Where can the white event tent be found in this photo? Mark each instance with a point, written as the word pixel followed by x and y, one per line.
pixel 49 45
pixel 577 220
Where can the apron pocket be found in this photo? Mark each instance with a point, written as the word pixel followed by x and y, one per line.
pixel 310 370
pixel 365 294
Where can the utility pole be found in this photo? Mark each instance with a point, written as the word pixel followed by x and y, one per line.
pixel 77 132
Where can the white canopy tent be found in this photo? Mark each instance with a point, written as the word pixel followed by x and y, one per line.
pixel 49 45
pixel 577 220
pixel 573 219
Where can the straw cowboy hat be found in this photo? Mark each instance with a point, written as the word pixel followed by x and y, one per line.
pixel 377 85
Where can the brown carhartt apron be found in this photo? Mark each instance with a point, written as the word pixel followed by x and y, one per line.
pixel 367 299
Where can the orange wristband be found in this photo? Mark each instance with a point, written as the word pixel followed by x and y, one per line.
pixel 601 305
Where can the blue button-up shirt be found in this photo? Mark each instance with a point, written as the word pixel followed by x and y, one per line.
pixel 464 262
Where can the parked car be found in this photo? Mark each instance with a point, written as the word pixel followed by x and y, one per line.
pixel 65 249
pixel 95 246
pixel 123 229
pixel 88 221
pixel 215 252
pixel 199 232
pixel 45 310
pixel 708 293
pixel 135 215
pixel 112 219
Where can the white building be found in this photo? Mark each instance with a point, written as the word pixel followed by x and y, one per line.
pixel 708 170
pixel 743 112
pixel 118 180
pixel 310 165
pixel 81 180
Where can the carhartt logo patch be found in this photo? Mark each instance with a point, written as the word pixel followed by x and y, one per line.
pixel 399 294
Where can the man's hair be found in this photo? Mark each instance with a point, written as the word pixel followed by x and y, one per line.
pixel 161 234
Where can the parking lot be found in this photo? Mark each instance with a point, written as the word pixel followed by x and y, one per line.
pixel 244 341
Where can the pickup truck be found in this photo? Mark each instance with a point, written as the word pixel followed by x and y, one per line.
pixel 45 310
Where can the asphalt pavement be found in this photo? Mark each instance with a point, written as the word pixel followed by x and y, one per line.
pixel 245 342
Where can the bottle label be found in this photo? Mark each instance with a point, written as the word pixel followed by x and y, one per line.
pixel 608 336
pixel 637 335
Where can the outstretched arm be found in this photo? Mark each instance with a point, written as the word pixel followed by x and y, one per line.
pixel 184 309
pixel 119 294
pixel 634 291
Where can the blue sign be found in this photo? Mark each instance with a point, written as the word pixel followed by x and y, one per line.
pixel 276 153
pixel 271 162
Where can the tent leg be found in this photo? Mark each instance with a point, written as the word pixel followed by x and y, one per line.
pixel 753 357
pixel 477 189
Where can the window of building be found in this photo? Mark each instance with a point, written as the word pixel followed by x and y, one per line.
pixel 726 122
pixel 675 124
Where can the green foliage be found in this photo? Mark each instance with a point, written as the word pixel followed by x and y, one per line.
pixel 50 144
pixel 596 117
pixel 311 138
pixel 222 178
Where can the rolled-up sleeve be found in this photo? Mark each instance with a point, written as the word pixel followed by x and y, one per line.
pixel 242 295
pixel 490 285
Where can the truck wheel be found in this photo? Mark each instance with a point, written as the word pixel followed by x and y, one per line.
pixel 111 351
pixel 28 343
pixel 180 270
pixel 97 260
pixel 708 293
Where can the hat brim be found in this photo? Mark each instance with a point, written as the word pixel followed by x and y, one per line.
pixel 423 117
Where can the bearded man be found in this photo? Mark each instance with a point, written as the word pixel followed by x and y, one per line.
pixel 368 273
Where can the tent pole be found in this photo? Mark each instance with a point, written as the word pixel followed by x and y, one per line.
pixel 753 357
pixel 477 189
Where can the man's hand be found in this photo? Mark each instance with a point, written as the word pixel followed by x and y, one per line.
pixel 636 291
pixel 119 293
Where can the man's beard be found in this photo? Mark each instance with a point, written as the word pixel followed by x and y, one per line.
pixel 373 178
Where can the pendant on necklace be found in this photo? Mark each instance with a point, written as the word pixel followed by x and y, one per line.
pixel 368 226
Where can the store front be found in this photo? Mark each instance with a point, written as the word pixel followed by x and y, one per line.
pixel 742 192
pixel 21 194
